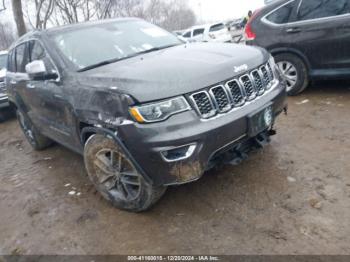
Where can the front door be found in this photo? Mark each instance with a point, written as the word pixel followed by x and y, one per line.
pixel 50 106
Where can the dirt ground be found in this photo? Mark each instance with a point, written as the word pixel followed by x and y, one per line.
pixel 291 198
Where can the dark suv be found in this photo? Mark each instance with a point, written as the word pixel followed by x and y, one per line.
pixel 146 110
pixel 310 39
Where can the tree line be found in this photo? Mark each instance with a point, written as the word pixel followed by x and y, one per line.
pixel 41 14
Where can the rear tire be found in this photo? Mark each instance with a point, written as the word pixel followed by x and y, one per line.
pixel 294 71
pixel 116 178
pixel 32 134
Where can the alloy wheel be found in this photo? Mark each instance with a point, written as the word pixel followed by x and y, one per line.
pixel 289 73
pixel 117 175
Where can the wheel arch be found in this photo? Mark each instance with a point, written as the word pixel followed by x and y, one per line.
pixel 88 131
pixel 292 51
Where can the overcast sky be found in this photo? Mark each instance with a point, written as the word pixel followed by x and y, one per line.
pixel 215 10
pixel 206 10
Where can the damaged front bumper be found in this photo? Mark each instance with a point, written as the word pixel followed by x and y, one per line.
pixel 182 148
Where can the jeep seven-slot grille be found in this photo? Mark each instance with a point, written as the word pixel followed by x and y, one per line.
pixel 234 93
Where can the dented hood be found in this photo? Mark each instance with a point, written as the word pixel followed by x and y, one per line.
pixel 174 71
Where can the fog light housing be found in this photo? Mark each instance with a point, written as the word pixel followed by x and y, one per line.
pixel 178 153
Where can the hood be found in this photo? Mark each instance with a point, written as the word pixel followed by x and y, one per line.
pixel 174 71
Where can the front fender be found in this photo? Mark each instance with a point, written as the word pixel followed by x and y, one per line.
pixel 88 131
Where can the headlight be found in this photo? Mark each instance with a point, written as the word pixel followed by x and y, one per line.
pixel 159 111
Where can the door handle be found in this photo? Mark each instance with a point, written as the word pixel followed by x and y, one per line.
pixel 30 86
pixel 293 30
pixel 13 82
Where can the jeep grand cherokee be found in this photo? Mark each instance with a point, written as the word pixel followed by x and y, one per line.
pixel 144 109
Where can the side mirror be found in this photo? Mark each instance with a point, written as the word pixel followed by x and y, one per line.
pixel 36 70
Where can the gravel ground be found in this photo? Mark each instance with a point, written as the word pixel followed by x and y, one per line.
pixel 293 197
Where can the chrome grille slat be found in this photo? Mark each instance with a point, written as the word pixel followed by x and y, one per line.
pixel 259 84
pixel 265 75
pixel 221 98
pixel 248 86
pixel 203 104
pixel 234 93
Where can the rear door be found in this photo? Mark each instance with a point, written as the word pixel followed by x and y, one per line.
pixel 321 30
pixel 17 78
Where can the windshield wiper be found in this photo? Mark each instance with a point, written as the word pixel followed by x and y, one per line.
pixel 110 61
pixel 106 62
pixel 155 49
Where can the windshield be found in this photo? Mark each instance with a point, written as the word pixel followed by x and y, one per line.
pixel 89 46
pixel 3 61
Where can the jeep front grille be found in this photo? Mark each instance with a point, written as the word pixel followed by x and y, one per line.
pixel 234 93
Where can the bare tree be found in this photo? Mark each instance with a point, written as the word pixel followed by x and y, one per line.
pixel 3 6
pixel 170 14
pixel 117 8
pixel 18 16
pixel 43 12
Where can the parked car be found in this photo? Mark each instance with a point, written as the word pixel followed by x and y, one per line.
pixel 208 33
pixel 236 24
pixel 4 104
pixel 147 111
pixel 310 39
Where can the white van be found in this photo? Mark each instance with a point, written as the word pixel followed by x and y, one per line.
pixel 208 33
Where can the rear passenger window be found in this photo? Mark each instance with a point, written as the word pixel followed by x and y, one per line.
pixel 281 15
pixel 21 58
pixel 313 9
pixel 216 27
pixel 199 31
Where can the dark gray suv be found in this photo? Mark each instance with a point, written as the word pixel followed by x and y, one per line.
pixel 145 109
pixel 309 39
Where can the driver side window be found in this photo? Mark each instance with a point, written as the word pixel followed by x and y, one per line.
pixel 37 52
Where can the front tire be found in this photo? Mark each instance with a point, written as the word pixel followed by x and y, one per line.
pixel 32 134
pixel 294 71
pixel 116 178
